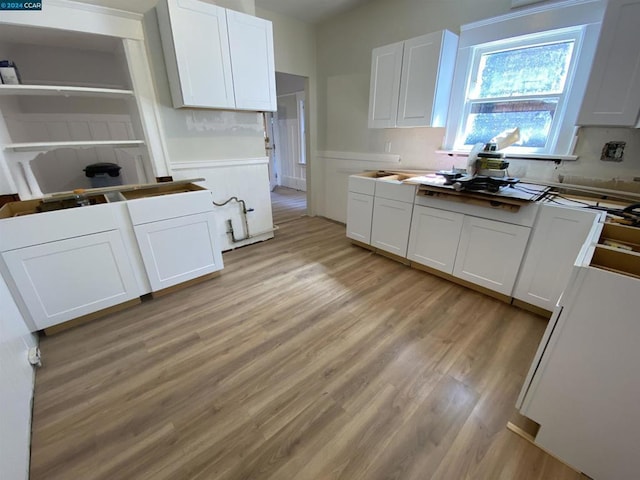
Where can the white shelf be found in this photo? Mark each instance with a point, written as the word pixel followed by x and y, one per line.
pixel 65 91
pixel 46 146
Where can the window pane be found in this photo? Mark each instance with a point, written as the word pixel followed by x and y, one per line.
pixel 486 120
pixel 523 71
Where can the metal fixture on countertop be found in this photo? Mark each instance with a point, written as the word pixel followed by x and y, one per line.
pixel 486 168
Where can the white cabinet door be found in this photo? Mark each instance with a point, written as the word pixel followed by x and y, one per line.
pixel 391 224
pixel 70 278
pixel 434 237
pixel 196 50
pixel 557 237
pixel 613 92
pixel 384 91
pixel 490 253
pixel 586 391
pixel 16 389
pixel 359 214
pixel 428 62
pixel 179 249
pixel 252 62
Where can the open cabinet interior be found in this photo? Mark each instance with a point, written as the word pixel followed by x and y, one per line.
pixel 75 107
pixel 618 250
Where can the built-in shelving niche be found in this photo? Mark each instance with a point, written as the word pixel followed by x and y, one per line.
pixel 75 107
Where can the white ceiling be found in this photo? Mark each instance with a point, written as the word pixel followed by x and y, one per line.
pixel 311 11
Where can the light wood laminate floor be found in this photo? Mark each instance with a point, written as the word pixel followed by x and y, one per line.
pixel 308 358
pixel 287 204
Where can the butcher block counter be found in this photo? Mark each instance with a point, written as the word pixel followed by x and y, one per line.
pixel 78 255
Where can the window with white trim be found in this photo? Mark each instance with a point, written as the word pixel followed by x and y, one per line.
pixel 514 72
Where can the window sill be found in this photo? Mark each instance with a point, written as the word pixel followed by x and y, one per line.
pixel 516 156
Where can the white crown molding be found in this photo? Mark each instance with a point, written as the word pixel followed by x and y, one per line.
pixel 547 7
pixel 88 7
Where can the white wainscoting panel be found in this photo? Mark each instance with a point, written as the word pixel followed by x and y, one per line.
pixel 337 168
pixel 62 169
pixel 247 179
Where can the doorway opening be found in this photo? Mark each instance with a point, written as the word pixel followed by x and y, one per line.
pixel 288 148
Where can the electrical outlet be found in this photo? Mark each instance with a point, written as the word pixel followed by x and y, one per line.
pixel 613 151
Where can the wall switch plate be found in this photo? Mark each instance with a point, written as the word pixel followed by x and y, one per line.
pixel 613 151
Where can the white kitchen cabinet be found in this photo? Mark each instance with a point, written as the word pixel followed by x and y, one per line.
pixel 197 56
pixel 428 62
pixel 53 292
pixel 612 96
pixel 411 81
pixel 178 249
pixel 384 89
pixel 490 252
pixel 217 58
pixel 583 387
pixel 390 225
pixel 176 235
pixel 252 62
pixel 359 217
pixel 558 235
pixel 434 237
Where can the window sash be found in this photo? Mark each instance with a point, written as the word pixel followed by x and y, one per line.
pixel 574 34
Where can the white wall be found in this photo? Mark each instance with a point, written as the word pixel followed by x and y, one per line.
pixel 295 53
pixel 344 62
pixel 16 389
pixel 247 179
pixel 199 134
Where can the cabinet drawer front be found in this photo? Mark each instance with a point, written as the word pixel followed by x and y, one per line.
pixel 490 253
pixel 179 249
pixel 19 232
pixel 391 223
pixel 154 209
pixel 359 213
pixel 434 238
pixel 63 280
pixel 365 185
pixel 395 191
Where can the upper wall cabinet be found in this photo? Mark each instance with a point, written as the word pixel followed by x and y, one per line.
pixel 411 81
pixel 613 93
pixel 217 58
pixel 252 62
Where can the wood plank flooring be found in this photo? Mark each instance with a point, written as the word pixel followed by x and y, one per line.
pixel 287 204
pixel 308 358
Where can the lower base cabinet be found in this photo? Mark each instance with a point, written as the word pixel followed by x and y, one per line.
pixel 391 224
pixel 490 252
pixel 359 215
pixel 178 249
pixel 434 237
pixel 555 243
pixel 101 276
